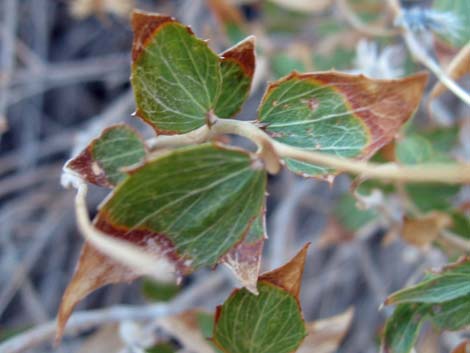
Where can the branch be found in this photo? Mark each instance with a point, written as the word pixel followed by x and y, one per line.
pixel 424 173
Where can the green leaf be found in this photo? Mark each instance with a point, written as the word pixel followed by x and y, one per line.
pixel 415 149
pixel 104 159
pixel 460 224
pixel 267 322
pixel 402 328
pixel 159 291
pixel 340 59
pixel 175 76
pixel 238 67
pixel 282 64
pixel 429 197
pixel 323 112
pixel 443 139
pixel 350 216
pixel 264 323
pixel 161 348
pixel 278 20
pixel 461 10
pixel 451 315
pixel 257 230
pixel 178 79
pixel 452 282
pixel 443 298
pixel 193 204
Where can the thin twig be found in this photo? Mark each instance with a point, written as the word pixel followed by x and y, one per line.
pixel 420 54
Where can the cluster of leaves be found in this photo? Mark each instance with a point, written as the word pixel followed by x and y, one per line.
pixel 442 298
pixel 200 205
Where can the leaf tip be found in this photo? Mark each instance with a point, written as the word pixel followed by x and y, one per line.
pixel 289 276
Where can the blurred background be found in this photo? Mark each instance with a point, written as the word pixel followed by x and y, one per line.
pixel 64 76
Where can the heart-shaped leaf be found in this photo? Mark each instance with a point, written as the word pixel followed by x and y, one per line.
pixel 195 203
pixel 178 79
pixel 101 163
pixel 331 112
pixel 268 322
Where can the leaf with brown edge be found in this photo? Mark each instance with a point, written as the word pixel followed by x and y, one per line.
pixel 350 116
pixel 458 67
pixel 267 322
pixel 187 208
pixel 245 259
pixel 175 75
pixel 103 160
pixel 237 66
pixel 178 80
pixel 326 335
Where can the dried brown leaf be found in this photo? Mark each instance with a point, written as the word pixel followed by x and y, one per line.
pixel 424 230
pixel 93 271
pixel 289 276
